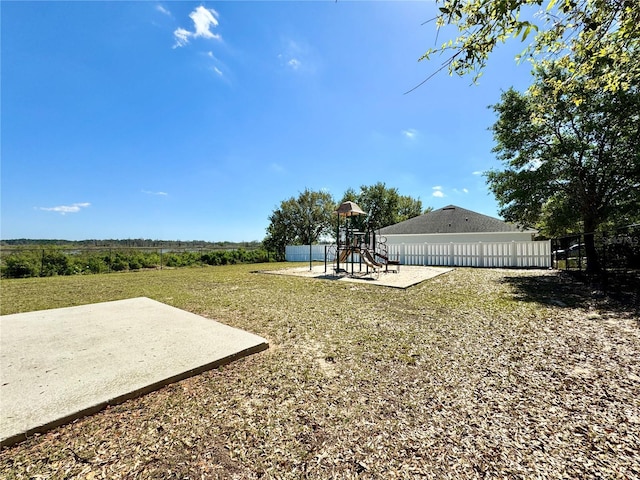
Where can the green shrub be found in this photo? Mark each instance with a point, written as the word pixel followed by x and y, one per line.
pixel 120 262
pixel 134 264
pixel 171 260
pixel 55 263
pixel 19 265
pixel 211 258
pixel 34 262
pixel 149 260
pixel 95 264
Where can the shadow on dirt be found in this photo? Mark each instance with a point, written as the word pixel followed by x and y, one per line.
pixel 565 291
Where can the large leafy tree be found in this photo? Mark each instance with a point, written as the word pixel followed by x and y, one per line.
pixel 281 231
pixel 571 155
pixel 300 221
pixel 384 206
pixel 409 207
pixel 583 36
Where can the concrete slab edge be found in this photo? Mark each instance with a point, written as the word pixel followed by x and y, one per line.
pixel 364 281
pixel 21 437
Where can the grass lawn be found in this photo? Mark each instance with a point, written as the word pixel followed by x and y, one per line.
pixel 477 373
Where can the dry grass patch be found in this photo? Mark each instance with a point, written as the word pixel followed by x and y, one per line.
pixel 475 374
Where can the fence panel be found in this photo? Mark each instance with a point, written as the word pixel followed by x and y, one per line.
pixel 300 253
pixel 497 255
pixel 616 268
pixel 437 254
pixel 466 254
pixel 490 254
pixel 533 253
pixel 413 254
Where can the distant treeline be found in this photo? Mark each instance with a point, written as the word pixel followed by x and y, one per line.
pixel 131 242
pixel 44 261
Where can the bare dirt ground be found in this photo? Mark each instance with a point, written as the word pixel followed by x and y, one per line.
pixel 473 374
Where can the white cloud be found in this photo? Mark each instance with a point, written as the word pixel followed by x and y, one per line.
pixel 163 10
pixel 294 63
pixel 64 209
pixel 204 19
pixel 298 57
pixel 410 133
pixel 162 194
pixel 437 192
pixel 217 71
pixel 465 190
pixel 477 172
pixel 182 37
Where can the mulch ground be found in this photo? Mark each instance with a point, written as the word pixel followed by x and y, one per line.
pixel 473 374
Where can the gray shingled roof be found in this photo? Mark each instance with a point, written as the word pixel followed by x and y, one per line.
pixel 451 219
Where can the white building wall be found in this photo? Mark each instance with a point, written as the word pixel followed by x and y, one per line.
pixel 521 254
pixel 398 239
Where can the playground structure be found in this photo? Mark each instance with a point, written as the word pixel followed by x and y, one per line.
pixel 357 247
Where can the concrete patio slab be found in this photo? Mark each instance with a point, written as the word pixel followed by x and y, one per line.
pixel 59 365
pixel 408 275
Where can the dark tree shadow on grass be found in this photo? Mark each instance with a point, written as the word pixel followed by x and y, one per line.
pixel 563 290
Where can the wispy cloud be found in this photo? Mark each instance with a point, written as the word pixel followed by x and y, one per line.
pixel 410 133
pixel 276 167
pixel 204 19
pixel 162 194
pixel 464 190
pixel 163 10
pixel 216 66
pixel 297 57
pixel 182 37
pixel 294 63
pixel 477 172
pixel 437 192
pixel 64 209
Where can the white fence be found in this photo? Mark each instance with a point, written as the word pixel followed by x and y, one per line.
pixel 300 253
pixel 490 254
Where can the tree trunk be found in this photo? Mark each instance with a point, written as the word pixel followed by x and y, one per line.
pixel 593 260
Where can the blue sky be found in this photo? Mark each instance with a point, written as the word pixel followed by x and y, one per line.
pixel 194 120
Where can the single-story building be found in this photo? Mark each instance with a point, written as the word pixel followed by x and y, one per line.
pixel 453 224
pixel 454 237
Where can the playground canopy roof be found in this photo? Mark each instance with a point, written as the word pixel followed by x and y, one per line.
pixel 349 209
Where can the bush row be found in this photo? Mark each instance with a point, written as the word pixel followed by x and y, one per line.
pixel 49 262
